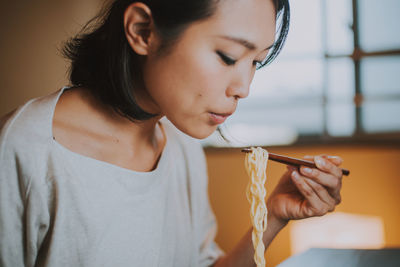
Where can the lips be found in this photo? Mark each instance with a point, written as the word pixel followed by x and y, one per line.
pixel 218 118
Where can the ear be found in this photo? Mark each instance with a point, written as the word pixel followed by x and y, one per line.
pixel 139 27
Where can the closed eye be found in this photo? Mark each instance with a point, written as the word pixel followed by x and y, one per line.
pixel 226 59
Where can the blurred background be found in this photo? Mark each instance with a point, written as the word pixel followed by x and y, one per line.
pixel 335 89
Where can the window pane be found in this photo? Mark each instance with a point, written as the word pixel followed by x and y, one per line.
pixel 379 23
pixel 340 93
pixel 280 102
pixel 339 33
pixel 380 75
pixel 288 79
pixel 341 119
pixel 381 116
pixel 340 80
pixel 305 29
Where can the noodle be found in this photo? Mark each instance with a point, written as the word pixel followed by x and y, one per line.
pixel 256 163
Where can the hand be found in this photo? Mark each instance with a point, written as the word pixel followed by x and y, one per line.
pixel 307 192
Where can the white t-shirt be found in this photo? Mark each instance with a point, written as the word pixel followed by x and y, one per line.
pixel 60 208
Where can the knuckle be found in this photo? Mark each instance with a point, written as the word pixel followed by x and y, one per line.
pixel 329 166
pixel 321 211
pixel 336 183
pixel 315 172
pixel 337 171
pixel 310 213
pixel 308 192
pixel 319 188
pixel 326 209
pixel 338 200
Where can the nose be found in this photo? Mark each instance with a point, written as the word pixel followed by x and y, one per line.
pixel 239 86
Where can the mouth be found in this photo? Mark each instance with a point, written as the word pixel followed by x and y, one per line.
pixel 218 118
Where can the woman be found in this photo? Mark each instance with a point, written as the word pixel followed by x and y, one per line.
pixel 92 176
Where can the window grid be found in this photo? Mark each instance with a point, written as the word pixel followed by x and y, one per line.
pixel 357 55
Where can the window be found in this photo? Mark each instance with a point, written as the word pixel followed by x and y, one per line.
pixel 337 78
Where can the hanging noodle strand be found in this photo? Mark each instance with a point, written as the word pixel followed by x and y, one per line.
pixel 256 164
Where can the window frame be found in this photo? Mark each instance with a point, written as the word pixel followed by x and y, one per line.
pixel 359 98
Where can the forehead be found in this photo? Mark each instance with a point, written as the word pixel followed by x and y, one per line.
pixel 252 20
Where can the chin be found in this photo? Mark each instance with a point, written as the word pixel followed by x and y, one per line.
pixel 198 132
pixel 193 127
pixel 200 135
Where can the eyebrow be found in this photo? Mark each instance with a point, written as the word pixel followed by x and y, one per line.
pixel 243 42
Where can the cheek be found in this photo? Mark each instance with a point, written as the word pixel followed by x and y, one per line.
pixel 187 82
pixel 204 77
pixel 188 91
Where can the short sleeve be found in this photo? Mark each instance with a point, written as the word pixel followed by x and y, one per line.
pixel 22 227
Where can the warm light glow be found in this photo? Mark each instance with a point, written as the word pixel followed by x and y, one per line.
pixel 337 230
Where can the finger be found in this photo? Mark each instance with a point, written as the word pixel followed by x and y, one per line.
pixel 332 183
pixel 291 168
pixel 310 157
pixel 327 166
pixel 323 178
pixel 322 193
pixel 334 159
pixel 318 207
pixel 326 159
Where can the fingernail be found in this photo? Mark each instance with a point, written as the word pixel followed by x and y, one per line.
pixel 295 175
pixel 319 161
pixel 307 170
pixel 335 158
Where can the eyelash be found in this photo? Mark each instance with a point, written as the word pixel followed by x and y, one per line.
pixel 230 61
pixel 226 59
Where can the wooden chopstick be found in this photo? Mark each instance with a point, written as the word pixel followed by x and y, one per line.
pixel 292 161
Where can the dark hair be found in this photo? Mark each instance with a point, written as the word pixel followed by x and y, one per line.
pixel 102 60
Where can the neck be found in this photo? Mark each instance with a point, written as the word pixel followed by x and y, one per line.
pixel 139 135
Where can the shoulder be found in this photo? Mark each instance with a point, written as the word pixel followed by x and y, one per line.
pixel 25 135
pixel 29 123
pixel 23 145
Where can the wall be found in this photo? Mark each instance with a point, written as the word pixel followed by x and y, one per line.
pixel 373 188
pixel 31 34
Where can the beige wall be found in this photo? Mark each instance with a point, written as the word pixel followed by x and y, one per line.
pixel 31 33
pixel 373 188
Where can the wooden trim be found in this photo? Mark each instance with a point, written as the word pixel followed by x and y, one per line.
pixel 391 140
pixel 359 54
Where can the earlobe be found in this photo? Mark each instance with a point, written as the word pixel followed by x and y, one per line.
pixel 138 25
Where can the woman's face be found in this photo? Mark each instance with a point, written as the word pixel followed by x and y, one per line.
pixel 198 83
